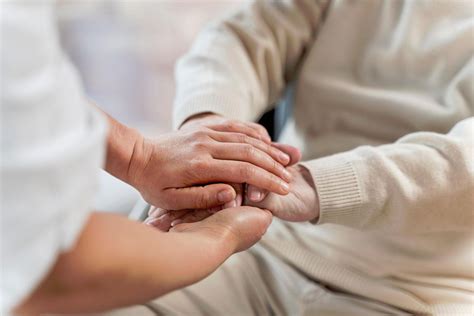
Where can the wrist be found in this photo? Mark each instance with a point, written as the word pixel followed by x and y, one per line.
pixel 220 241
pixel 314 201
pixel 122 143
pixel 141 153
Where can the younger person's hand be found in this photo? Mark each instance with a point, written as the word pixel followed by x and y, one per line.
pixel 237 228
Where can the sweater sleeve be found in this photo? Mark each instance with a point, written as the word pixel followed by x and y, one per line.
pixel 238 66
pixel 422 183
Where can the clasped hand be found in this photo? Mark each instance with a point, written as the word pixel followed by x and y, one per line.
pixel 298 202
pixel 192 168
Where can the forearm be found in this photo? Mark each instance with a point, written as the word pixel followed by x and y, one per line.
pixel 129 262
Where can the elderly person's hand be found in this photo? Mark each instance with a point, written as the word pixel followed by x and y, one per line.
pixel 301 204
pixel 218 122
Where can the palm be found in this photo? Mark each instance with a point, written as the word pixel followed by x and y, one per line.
pixel 301 204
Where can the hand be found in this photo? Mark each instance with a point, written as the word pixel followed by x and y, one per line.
pixel 301 204
pixel 139 264
pixel 164 219
pixel 218 122
pixel 223 124
pixel 169 169
pixel 236 228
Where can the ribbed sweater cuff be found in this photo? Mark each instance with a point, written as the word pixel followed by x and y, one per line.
pixel 338 189
pixel 228 105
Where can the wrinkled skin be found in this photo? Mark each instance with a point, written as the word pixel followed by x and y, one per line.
pixel 300 204
pixel 190 168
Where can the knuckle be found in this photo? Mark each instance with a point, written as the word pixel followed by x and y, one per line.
pixel 200 134
pixel 200 145
pixel 246 171
pixel 249 151
pixel 202 200
pixel 229 126
pixel 241 138
pixel 268 149
pixel 276 165
pixel 233 124
pixel 199 164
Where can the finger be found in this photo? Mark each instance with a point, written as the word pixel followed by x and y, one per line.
pixel 255 194
pixel 243 172
pixel 164 221
pixel 216 209
pixel 239 190
pixel 293 152
pixel 199 197
pixel 273 151
pixel 262 130
pixel 192 217
pixel 249 153
pixel 155 212
pixel 248 129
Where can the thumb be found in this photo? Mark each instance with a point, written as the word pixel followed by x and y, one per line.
pixel 255 194
pixel 199 197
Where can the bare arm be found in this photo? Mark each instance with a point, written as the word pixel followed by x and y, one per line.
pixel 118 262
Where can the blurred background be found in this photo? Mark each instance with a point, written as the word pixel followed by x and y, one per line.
pixel 125 51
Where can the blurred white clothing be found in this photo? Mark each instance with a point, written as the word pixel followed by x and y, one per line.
pixel 52 146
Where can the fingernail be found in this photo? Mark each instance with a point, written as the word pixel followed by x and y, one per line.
pixel 284 157
pixel 255 196
pixel 287 175
pixel 176 222
pixel 225 196
pixel 238 200
pixel 153 212
pixel 230 204
pixel 150 221
pixel 285 186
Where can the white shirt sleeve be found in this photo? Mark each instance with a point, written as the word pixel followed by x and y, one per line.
pixel 52 145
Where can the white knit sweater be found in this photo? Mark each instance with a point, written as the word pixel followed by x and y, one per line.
pixel 383 96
